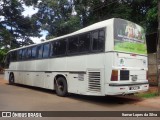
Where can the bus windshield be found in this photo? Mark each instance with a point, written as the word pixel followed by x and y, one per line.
pixel 129 37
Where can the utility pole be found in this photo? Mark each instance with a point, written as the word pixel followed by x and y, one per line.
pixel 158 49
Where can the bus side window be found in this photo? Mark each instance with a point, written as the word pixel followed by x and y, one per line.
pixel 58 48
pixel 13 56
pixel 98 40
pixel 29 53
pixel 101 39
pixel 46 50
pixel 84 42
pixel 19 54
pixel 73 44
pixel 34 49
pixel 24 53
pixel 39 51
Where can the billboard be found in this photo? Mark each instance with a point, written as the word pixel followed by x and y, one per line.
pixel 129 37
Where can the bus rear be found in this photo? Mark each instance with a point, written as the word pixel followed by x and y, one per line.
pixel 129 59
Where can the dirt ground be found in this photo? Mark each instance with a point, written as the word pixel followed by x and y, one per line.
pixel 153 102
pixel 152 89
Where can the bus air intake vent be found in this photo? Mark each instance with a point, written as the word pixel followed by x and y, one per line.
pixel 94 81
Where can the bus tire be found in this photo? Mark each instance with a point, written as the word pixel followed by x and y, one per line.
pixel 61 86
pixel 11 79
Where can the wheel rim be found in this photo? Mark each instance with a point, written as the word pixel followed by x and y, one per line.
pixel 60 86
pixel 11 79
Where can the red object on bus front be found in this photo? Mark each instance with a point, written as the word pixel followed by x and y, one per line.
pixel 114 76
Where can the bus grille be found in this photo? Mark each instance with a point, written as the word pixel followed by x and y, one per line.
pixel 94 81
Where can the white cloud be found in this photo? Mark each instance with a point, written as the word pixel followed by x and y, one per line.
pixel 38 40
pixel 29 11
pixel 2 18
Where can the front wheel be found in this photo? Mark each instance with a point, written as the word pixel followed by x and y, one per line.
pixel 61 87
pixel 11 79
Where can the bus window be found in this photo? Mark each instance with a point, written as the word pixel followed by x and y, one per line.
pixel 39 51
pixel 84 42
pixel 58 48
pixel 19 54
pixel 101 39
pixel 24 53
pixel 73 44
pixel 98 40
pixel 34 49
pixel 14 56
pixel 46 50
pixel 29 53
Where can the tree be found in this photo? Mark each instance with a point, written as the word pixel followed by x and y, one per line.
pixel 16 29
pixel 2 55
pixel 152 17
pixel 56 16
pixel 142 12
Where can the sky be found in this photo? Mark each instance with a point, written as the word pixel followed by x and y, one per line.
pixel 29 11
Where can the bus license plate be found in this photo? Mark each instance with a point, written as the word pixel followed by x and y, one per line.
pixel 134 88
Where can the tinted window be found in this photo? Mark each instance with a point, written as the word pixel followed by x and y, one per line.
pixel 58 48
pixel 24 53
pixel 39 51
pixel 14 55
pixel 19 54
pixel 45 50
pixel 98 40
pixel 73 45
pixel 84 42
pixel 29 53
pixel 101 40
pixel 34 50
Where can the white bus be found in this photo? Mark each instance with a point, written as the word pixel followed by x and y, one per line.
pixel 106 58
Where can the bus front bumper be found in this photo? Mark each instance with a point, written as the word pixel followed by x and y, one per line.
pixel 124 89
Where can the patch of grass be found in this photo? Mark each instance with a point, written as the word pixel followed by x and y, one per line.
pixel 131 47
pixel 147 95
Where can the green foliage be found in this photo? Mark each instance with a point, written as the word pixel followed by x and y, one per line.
pixel 56 17
pixel 131 47
pixel 2 55
pixel 152 17
pixel 147 95
pixel 15 29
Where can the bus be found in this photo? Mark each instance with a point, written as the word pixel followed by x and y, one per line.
pixel 106 58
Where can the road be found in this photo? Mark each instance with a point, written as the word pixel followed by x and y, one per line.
pixel 25 98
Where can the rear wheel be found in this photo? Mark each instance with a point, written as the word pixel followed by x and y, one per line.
pixel 11 79
pixel 61 86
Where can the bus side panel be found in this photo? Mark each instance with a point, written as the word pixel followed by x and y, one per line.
pixel 92 64
pixel 48 80
pixel 56 64
pixel 6 74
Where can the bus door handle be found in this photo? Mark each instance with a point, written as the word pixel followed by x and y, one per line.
pixel 37 75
